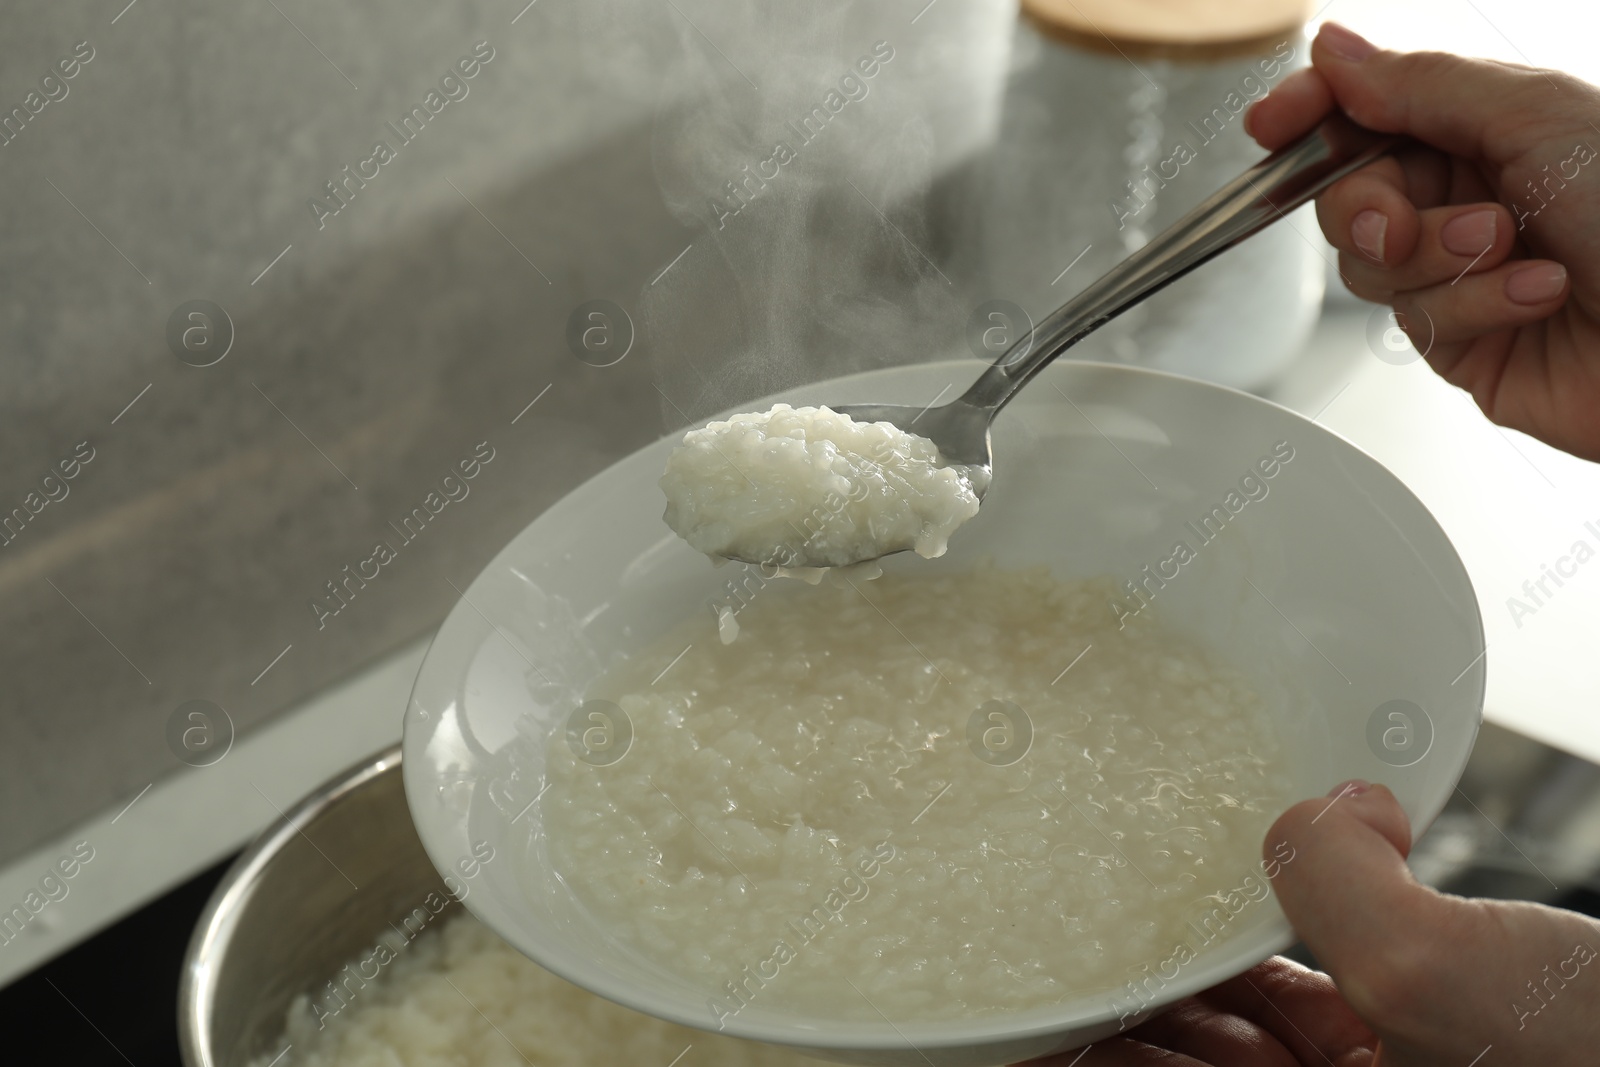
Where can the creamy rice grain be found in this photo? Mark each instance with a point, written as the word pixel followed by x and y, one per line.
pixel 843 792
pixel 423 1011
pixel 814 486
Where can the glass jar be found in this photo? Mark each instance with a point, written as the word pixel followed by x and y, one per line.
pixel 1103 144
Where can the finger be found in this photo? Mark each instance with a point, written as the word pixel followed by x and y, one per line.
pixel 1431 177
pixel 1460 182
pixel 1370 214
pixel 1463 106
pixel 1117 1052
pixel 1508 376
pixel 1424 176
pixel 1434 178
pixel 1347 891
pixel 1300 1009
pixel 1196 1029
pixel 1427 971
pixel 1513 294
pixel 1295 105
pixel 1303 99
pixel 1451 242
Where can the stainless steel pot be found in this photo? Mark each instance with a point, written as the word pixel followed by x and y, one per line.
pixel 311 894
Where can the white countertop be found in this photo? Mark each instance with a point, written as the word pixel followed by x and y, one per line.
pixel 1511 505
pixel 182 824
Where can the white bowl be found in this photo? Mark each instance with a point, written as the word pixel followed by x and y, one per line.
pixel 1336 590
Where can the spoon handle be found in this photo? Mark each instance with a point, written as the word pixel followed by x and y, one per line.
pixel 1251 202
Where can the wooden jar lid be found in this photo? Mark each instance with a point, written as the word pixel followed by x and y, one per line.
pixel 1169 26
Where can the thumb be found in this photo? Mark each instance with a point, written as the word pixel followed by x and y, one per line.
pixel 1343 882
pixel 1476 108
pixel 1438 978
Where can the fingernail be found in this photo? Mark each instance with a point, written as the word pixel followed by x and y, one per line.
pixel 1344 43
pixel 1353 788
pixel 1367 230
pixel 1470 234
pixel 1536 284
pixel 1358 1057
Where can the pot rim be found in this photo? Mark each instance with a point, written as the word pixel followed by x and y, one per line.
pixel 214 930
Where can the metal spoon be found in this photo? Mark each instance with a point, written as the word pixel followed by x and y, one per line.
pixel 1260 196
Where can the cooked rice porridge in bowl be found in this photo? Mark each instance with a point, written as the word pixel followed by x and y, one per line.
pixel 1001 801
pixel 895 781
